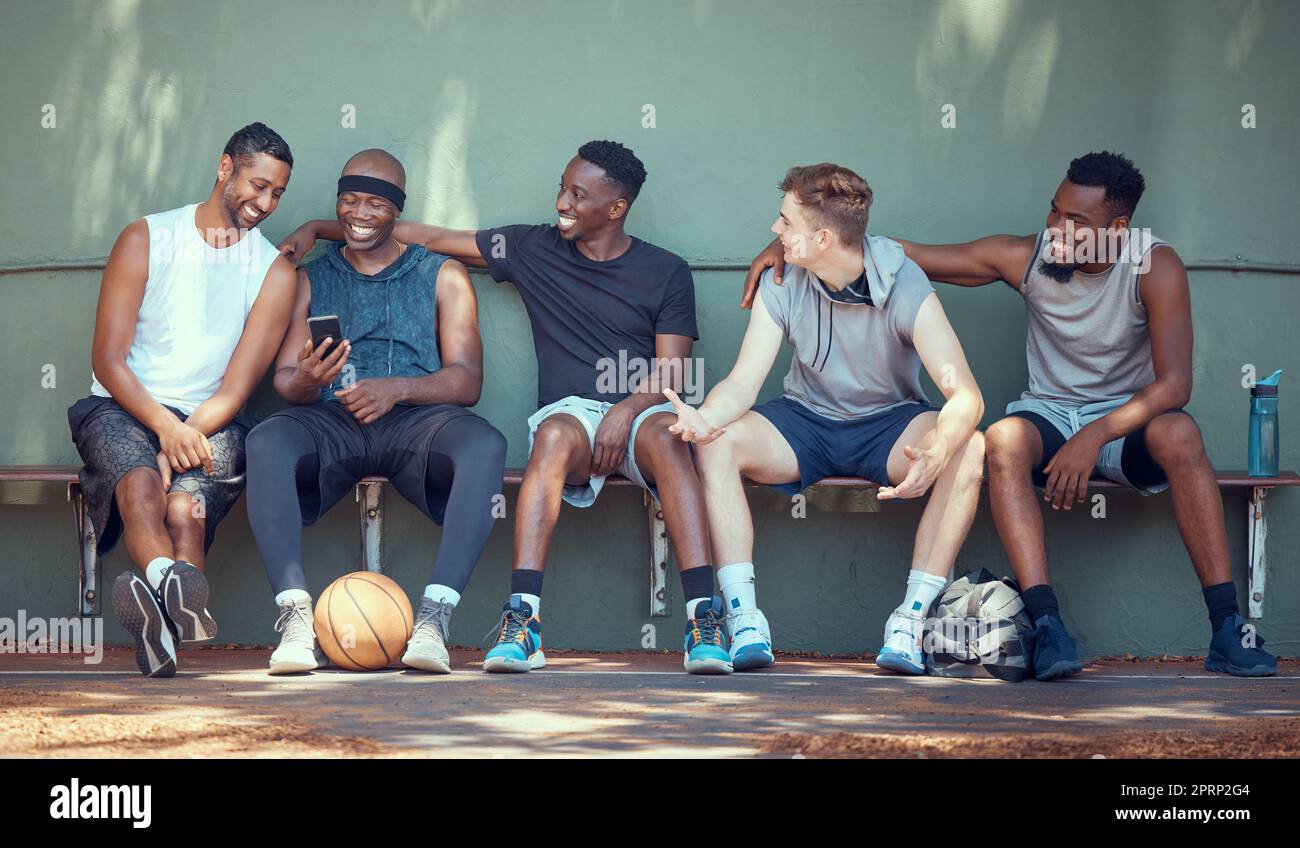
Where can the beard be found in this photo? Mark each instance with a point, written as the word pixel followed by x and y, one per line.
pixel 1061 272
pixel 232 205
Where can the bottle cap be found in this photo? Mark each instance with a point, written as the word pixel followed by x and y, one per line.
pixel 1266 387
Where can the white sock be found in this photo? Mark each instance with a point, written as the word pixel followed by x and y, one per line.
pixel 690 605
pixel 922 589
pixel 737 582
pixel 444 594
pixel 532 601
pixel 153 572
pixel 292 596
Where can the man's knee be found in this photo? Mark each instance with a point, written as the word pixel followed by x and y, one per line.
pixel 723 456
pixel 261 439
pixel 184 513
pixel 271 440
pixel 482 449
pixel 139 493
pixel 653 439
pixel 1009 445
pixel 1174 438
pixel 555 442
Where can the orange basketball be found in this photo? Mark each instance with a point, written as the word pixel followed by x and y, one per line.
pixel 363 621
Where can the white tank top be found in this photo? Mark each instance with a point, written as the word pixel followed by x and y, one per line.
pixel 196 300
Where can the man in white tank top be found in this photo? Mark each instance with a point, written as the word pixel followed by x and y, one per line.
pixel 192 308
pixel 1110 368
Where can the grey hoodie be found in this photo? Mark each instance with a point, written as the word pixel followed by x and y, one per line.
pixel 852 360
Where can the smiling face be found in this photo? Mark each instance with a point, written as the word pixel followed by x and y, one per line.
pixel 802 243
pixel 1078 223
pixel 250 190
pixel 368 219
pixel 587 202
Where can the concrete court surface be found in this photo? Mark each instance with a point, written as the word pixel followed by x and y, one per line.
pixel 223 704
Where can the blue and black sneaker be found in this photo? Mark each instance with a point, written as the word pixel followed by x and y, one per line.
pixel 706 640
pixel 519 642
pixel 1054 654
pixel 1236 650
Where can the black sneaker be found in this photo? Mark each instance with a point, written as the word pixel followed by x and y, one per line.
pixel 1229 653
pixel 1054 654
pixel 140 613
pixel 184 592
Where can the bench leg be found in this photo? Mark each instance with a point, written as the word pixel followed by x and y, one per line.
pixel 371 498
pixel 1257 527
pixel 658 558
pixel 88 578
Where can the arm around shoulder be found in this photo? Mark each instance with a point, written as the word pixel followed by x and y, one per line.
pixel 974 263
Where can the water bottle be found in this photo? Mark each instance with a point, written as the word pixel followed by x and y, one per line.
pixel 1262 454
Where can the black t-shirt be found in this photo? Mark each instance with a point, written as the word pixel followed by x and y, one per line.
pixel 583 311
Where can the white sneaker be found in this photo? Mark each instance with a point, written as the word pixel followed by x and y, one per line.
pixel 427 648
pixel 751 640
pixel 902 651
pixel 298 649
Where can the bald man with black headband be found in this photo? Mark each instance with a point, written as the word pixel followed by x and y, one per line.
pixel 389 398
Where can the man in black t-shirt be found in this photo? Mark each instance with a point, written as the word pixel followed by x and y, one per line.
pixel 613 320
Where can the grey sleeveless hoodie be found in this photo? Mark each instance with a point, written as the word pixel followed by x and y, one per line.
pixel 852 360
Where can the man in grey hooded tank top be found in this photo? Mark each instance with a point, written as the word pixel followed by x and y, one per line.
pixel 1110 367
pixel 862 320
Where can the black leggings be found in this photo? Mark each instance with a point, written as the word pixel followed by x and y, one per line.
pixel 466 462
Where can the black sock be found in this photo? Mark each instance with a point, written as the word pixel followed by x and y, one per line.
pixel 1040 600
pixel 698 582
pixel 1221 600
pixel 526 581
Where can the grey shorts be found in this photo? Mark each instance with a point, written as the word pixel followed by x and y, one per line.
pixel 112 443
pixel 1127 451
pixel 591 413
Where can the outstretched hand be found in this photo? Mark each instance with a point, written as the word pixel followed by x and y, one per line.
pixel 691 426
pixel 923 470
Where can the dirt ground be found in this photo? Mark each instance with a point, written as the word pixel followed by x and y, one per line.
pixel 223 704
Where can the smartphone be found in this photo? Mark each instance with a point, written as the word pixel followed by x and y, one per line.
pixel 324 327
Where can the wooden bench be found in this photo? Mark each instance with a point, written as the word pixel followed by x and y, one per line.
pixel 370 498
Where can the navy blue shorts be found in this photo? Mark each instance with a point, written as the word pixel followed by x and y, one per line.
pixel 829 448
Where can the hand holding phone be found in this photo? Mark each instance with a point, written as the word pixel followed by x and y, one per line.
pixel 321 359
pixel 324 328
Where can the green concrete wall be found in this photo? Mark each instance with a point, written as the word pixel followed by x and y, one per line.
pixel 485 102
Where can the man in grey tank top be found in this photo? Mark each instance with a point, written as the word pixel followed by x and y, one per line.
pixel 1110 367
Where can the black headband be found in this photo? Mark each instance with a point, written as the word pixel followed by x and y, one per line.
pixel 375 186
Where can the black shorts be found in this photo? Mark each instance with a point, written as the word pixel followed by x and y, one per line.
pixel 1135 459
pixel 395 446
pixel 112 442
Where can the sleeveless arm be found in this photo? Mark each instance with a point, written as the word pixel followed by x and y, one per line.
pixel 120 296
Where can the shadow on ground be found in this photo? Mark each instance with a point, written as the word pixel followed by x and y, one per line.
pixel 635 705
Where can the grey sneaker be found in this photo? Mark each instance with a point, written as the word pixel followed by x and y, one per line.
pixel 427 649
pixel 298 649
pixel 142 616
pixel 184 593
